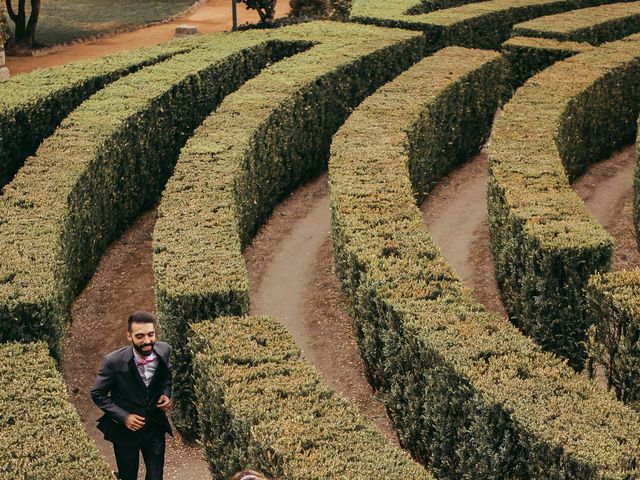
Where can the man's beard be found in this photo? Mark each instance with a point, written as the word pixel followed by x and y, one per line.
pixel 144 353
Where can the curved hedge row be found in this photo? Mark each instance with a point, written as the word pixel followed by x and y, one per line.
pixel 614 303
pixel 592 25
pixel 41 435
pixel 471 397
pixel 262 406
pixel 32 105
pixel 263 141
pixel 545 242
pixel 107 162
pixel 483 24
pixel 529 56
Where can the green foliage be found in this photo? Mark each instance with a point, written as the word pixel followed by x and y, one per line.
pixel 265 8
pixel 260 144
pixel 261 405
pixel 32 105
pixel 545 243
pixel 592 25
pixel 41 435
pixel 4 26
pixel 334 9
pixel 483 24
pixel 310 8
pixel 471 397
pixel 614 301
pixel 636 193
pixel 106 163
pixel 529 56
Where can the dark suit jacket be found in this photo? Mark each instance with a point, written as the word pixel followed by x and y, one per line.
pixel 120 391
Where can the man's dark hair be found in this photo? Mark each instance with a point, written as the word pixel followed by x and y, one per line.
pixel 141 317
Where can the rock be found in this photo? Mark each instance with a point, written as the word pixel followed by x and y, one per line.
pixel 186 30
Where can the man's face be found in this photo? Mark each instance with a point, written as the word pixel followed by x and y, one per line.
pixel 142 336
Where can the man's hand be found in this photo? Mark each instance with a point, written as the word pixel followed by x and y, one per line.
pixel 164 403
pixel 134 422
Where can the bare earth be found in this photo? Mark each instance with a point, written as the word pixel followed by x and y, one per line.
pixel 607 190
pixel 455 215
pixel 291 278
pixel 208 16
pixel 122 284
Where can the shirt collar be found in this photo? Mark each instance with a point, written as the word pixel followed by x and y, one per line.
pixel 136 355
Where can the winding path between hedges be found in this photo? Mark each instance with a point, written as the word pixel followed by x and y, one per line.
pixel 455 214
pixel 291 277
pixel 123 281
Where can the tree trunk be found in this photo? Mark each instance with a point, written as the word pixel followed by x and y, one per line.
pixel 30 31
pixel 24 34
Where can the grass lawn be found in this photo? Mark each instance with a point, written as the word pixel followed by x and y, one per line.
pixel 63 21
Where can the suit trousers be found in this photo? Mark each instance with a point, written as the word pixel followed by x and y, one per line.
pixel 152 449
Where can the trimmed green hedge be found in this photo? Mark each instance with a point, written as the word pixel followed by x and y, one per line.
pixel 529 56
pixel 471 396
pixel 262 406
pixel 107 162
pixel 636 191
pixel 614 301
pixel 264 140
pixel 592 25
pixel 32 105
pixel 545 242
pixel 483 24
pixel 41 435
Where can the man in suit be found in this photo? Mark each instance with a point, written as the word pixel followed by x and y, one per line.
pixel 133 388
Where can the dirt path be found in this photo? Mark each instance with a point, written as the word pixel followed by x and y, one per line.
pixel 455 215
pixel 291 277
pixel 607 190
pixel 122 284
pixel 209 17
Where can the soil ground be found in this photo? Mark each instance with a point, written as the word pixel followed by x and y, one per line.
pixel 291 278
pixel 209 17
pixel 122 284
pixel 607 190
pixel 455 214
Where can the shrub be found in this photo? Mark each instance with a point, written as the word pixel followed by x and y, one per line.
pixel 545 243
pixel 41 435
pixel 310 8
pixel 483 24
pixel 470 396
pixel 261 405
pixel 32 105
pixel 595 25
pixel 264 140
pixel 106 163
pixel 615 336
pixel 529 56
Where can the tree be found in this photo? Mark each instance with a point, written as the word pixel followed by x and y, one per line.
pixel 266 8
pixel 24 34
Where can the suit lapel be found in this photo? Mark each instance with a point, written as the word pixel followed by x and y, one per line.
pixel 158 373
pixel 137 379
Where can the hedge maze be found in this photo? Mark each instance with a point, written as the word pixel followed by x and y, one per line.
pixel 218 129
